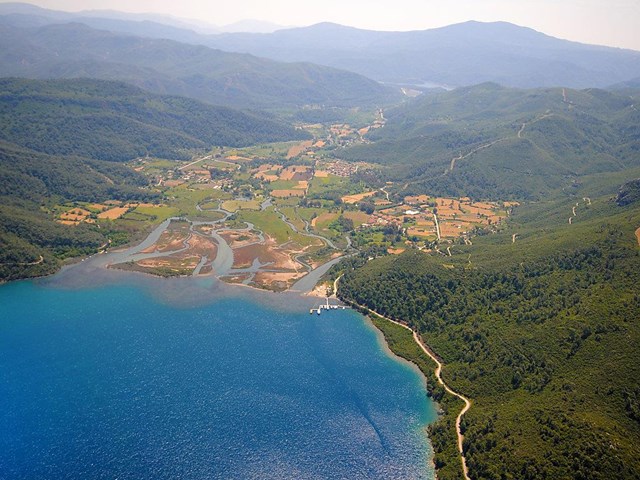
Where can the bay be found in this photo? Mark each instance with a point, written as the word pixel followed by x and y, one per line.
pixel 133 377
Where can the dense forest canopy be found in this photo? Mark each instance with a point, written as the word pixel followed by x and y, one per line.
pixel 532 330
pixel 118 122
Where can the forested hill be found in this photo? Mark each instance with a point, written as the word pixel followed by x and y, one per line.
pixel 540 331
pixel 115 121
pixel 507 143
pixel 169 67
pixel 31 243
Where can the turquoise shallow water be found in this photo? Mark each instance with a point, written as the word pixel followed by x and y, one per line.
pixel 121 381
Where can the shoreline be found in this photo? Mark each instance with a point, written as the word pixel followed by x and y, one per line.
pixel 107 259
pixel 437 374
pixel 101 262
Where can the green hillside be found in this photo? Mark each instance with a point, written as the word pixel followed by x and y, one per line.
pixel 507 143
pixel 541 333
pixel 31 243
pixel 118 122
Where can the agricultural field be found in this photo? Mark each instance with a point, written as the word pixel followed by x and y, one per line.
pixel 151 213
pixel 186 199
pixel 332 183
pixel 298 149
pixel 324 195
pixel 356 198
pixel 261 152
pixel 235 205
pixel 357 217
pixel 113 213
pixel 269 222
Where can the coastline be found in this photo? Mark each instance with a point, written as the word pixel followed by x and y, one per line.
pixel 101 262
pixel 108 259
pixel 405 343
pixel 97 268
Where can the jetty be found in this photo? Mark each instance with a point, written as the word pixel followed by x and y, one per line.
pixel 326 306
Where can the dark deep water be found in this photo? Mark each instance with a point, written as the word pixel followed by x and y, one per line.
pixel 131 377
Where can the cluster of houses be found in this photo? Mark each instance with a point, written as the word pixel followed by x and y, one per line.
pixel 341 168
pixel 437 217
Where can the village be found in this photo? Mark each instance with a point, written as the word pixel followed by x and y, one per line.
pixel 282 209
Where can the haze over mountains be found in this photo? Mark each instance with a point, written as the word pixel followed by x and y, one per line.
pixel 125 21
pixel 73 50
pixel 458 55
pixel 463 54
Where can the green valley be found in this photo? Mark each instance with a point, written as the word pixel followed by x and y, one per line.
pixel 500 225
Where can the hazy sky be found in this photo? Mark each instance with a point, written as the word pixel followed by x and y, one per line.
pixel 606 22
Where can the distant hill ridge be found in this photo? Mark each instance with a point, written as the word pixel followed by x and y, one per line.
pixel 165 66
pixel 461 54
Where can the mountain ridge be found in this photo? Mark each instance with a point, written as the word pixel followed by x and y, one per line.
pixel 166 66
pixel 460 54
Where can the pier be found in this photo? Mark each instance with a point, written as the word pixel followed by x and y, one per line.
pixel 326 306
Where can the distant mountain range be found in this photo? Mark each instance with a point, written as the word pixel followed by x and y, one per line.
pixel 458 55
pixel 168 67
pixel 463 54
pixel 125 21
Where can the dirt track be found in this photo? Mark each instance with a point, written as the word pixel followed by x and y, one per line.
pixel 438 373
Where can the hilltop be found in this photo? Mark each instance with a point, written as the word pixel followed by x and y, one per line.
pixel 115 121
pixel 489 141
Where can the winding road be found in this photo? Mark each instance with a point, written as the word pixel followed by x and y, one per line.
pixel 37 262
pixel 435 220
pixel 487 145
pixel 384 190
pixel 438 373
pixel 202 159
pixel 476 150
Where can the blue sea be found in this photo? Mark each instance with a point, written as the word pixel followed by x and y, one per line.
pixel 138 378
